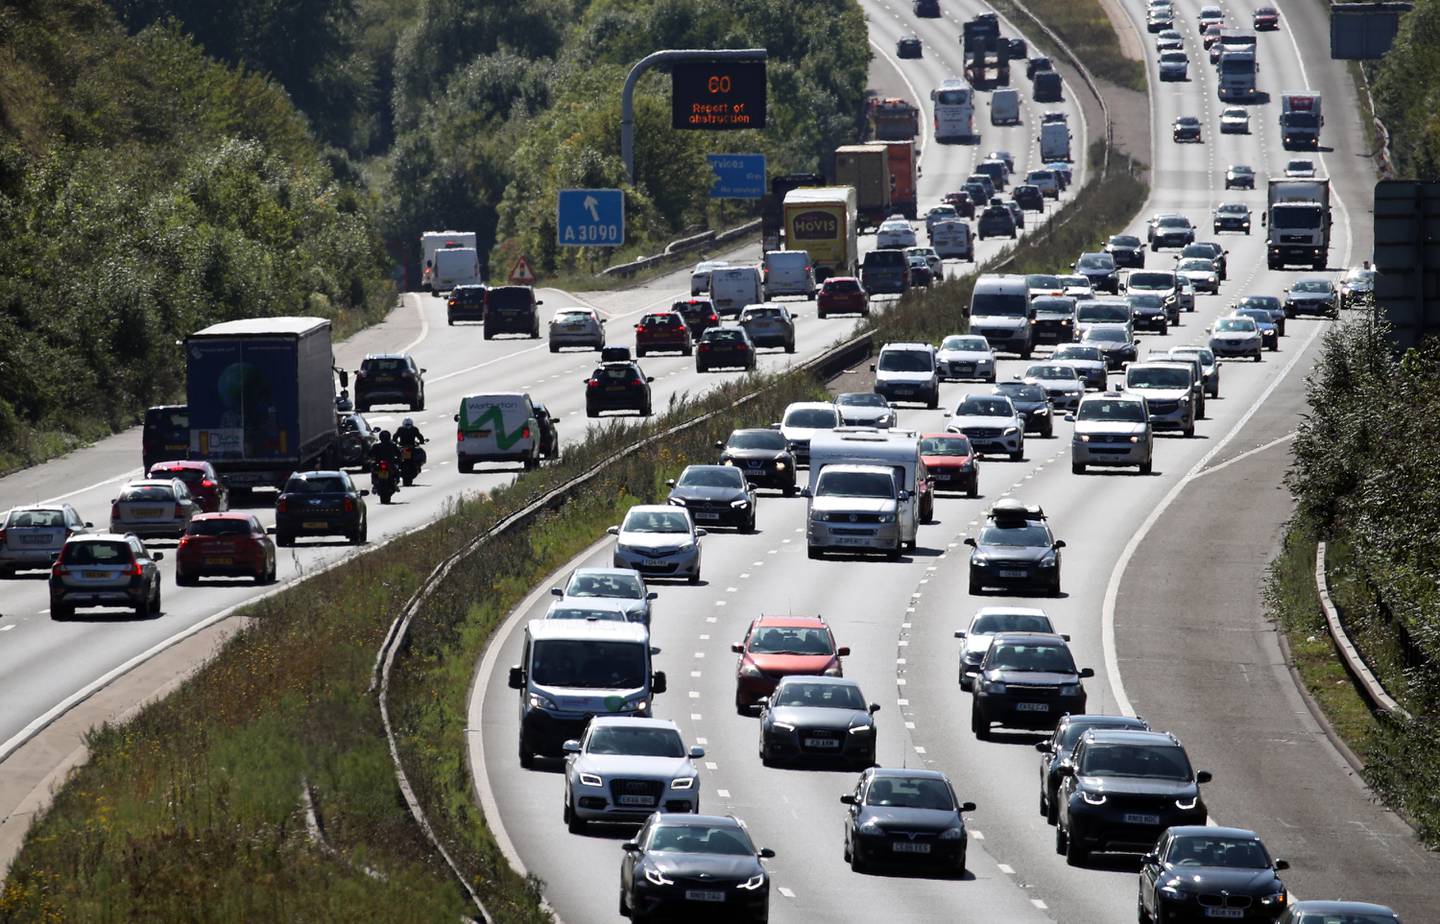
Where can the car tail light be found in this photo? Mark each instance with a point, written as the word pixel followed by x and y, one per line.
pixel 58 570
pixel 636 381
pixel 179 511
pixel 114 511
pixel 135 569
pixel 714 319
pixel 349 505
pixel 593 383
pixel 639 328
pixel 453 302
pixel 207 483
pixel 2 537
pixel 704 346
pixel 459 436
pixel 282 505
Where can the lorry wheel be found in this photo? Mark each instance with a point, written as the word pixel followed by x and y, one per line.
pixel 531 463
pixel 820 313
pixel 488 335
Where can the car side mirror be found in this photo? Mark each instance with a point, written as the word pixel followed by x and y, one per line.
pixel 872 367
pixel 737 648
pixel 970 542
pixel 766 853
pixel 571 747
pixel 945 414
pixel 1070 417
pixel 903 495
pixel 874 708
pixel 614 530
pixel 804 492
pixel 967 806
pixel 157 556
pixel 364 492
pixel 456 417
pixel 700 533
pixel 649 378
pixel 719 444
pixel 1043 746
pixel 1065 636
pixel 516 679
pixel 630 847
pixel 1204 776
pixel 270 530
pixel 848 799
pixel 1262 217
pixel 89 525
pixel 1059 544
pixel 1150 859
pixel 658 683
pixel 1087 672
pixel 652 595
pixel 557 591
pixel 1065 770
pixel 842 652
pixel 670 482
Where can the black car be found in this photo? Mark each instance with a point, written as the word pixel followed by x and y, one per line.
pixel 1058 750
pixel 996 221
pixel 1032 403
pixel 617 387
pixel 1026 680
pixel 166 436
pixel 389 378
pixel 1029 197
pixel 764 457
pixel 512 310
pixel 549 435
pixel 682 864
pixel 1101 270
pixel 927 9
pixel 466 303
pixel 1126 250
pixel 1270 303
pixel 909 47
pixel 905 816
pixel 320 504
pixel 1036 65
pixel 715 495
pixel 1149 310
pixel 699 314
pixel 817 719
pixel 725 348
pixel 1054 318
pixel 1015 549
pixel 1122 790
pixel 1240 176
pixel 356 439
pixel 1231 216
pixel 1194 869
pixel 1114 343
pixel 1186 128
pixel 1312 296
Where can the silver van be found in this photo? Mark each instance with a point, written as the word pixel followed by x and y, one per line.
pixel 1005 107
pixel 789 272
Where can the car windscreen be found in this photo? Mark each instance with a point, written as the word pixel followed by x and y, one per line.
pixel 219 527
pixel 1024 656
pixel 1146 301
pixel 813 418
pixel 1102 409
pixel 1060 373
pixel 572 316
pixel 1151 281
pixel 316 486
pixel 711 476
pixel 591 614
pixel 1124 240
pixel 1019 391
pixel 1311 285
pixel 95 553
pixel 1015 536
pixel 149 492
pixel 1162 762
pixel 616 586
pixel 1107 334
pixel 1156 377
pixel 1010 622
pixel 635 742
pixel 862 399
pixel 1235 324
pixel 1052 305
pixel 690 838
pixel 991 304
pixel 756 439
pixel 977 406
pixel 965 344
pixel 901 792
pixel 819 695
pixel 795 640
pixel 1077 352
pixel 905 361
pixel 1222 852
pixel 957 445
pixel 39 519
pixel 386 364
pixel 191 476
pixel 656 521
pixel 1096 261
pixel 589 664
pixel 1197 263
pixel 855 484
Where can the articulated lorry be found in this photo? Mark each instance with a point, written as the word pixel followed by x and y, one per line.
pixel 894 119
pixel 866 167
pixel 987 55
pixel 261 393
pixel 823 222
pixel 1297 223
pixel 904 163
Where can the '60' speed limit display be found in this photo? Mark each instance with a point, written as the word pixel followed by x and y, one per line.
pixel 718 95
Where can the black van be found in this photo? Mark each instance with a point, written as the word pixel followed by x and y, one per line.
pixel 512 310
pixel 167 434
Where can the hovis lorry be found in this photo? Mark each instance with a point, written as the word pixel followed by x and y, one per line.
pixel 1300 120
pixel 823 221
pixel 1297 223
pixel 261 393
pixel 866 168
pixel 430 242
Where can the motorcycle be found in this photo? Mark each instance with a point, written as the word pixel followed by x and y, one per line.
pixel 382 480
pixel 412 459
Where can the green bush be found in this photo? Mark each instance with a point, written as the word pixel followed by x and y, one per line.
pixel 1406 89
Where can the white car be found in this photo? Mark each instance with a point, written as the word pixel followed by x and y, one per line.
pixel 865 409
pixel 988 622
pixel 658 540
pixel 1077 286
pixel 626 768
pixel 621 585
pixel 965 356
pixel 992 424
pixel 1201 273
pixel 1174 65
pixel 895 232
pixel 1235 121
pixel 1301 168
pixel 939 213
pixel 1236 337
pixel 577 327
pixel 1061 381
pixel 802 420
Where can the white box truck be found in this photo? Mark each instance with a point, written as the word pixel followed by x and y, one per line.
pixel 1297 223
pixel 432 241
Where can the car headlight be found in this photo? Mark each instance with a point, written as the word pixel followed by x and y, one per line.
pixel 994 686
pixel 730 462
pixel 1187 804
pixel 862 729
pixel 819 516
pixel 753 883
pixel 782 726
pixel 1048 561
pixel 779 466
pixel 1011 431
pixel 541 701
pixel 953 834
pixel 885 518
pixel 684 782
pixel 1042 411
pixel 834 670
pixel 635 705
pixel 1094 798
pixel 1173 891
pixel 1274 900
pixel 591 779
pixel 1083 437
pixel 1070 689
pixel 658 878
pixel 1134 439
pixel 749 670
pixel 677 501
pixel 871 827
pixel 740 504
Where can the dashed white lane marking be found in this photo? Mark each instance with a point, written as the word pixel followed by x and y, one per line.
pixel 719 602
pixel 1039 904
pixel 695 674
pixel 701 741
pixel 978 835
pixel 919 749
pixel 731 590
pixel 711 765
pixel 704 638
pixel 1005 868
pixel 694 694
pixel 12 625
pixel 744 574
pixel 723 793
pixel 786 892
pixel 910 725
pixel 902 702
pixel 710 619
pixel 694 716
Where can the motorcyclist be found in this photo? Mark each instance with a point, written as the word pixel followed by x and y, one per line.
pixel 408 435
pixel 342 401
pixel 385 451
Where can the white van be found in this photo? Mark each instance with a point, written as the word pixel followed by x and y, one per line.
pixel 455 266
pixel 700 275
pixel 1055 142
pixel 896 451
pixel 1005 107
pixel 734 287
pixel 572 670
pixel 499 427
pixel 432 241
pixel 952 240
pixel 789 272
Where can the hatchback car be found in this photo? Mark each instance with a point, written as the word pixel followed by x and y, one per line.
pixel 466 303
pixel 909 46
pixel 905 818
pixel 1236 337
pixel 1126 250
pixel 817 720
pixel 1026 680
pixel 841 295
pixel 158 508
pixel 1313 295
pixel 776 647
pixel 952 462
pixel 200 477
pixel 1058 751
pixel 1015 550
pixel 1240 176
pixel 1029 197
pixel 1101 269
pixel 996 221
pixel 1231 216
pixel 577 327
pixel 1186 128
pixel 1062 384
pixel 681 865
pixel 321 504
pixel 1211 867
pixel 965 356
pixel 105 569
pixel 763 455
pixel 992 423
pixel 962 202
pixel 658 540
pixel 1112 429
pixel 623 586
pixel 1116 342
pixel 988 622
pixel 1266 18
pixel 624 768
pixel 1087 361
pixel 715 494
pixel 619 386
pixel 31 537
pixel 663 332
pixel 1235 121
pixel 895 232
pixel 231 544
pixel 699 314
pixel 389 378
pixel 769 325
pixel 725 348
pixel 1169 40
pixel 865 409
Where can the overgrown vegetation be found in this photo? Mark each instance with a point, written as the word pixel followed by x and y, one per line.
pixel 1364 477
pixel 1087 29
pixel 1406 87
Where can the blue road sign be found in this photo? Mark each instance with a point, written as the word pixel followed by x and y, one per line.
pixel 737 176
pixel 590 218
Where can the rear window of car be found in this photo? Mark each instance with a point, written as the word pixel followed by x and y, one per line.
pixel 842 286
pixel 886 258
pixel 388 364
pixel 727 334
pixel 316 486
pixel 662 320
pixel 150 492
pixel 616 372
pixel 191 476
pixel 96 553
pixel 227 527
pixel 42 519
pixel 509 297
pixel 167 420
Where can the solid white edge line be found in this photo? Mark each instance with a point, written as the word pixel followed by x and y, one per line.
pixel 1248 453
pixel 424 323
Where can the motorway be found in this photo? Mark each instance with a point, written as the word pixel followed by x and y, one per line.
pixel 1157 595
pixel 47 667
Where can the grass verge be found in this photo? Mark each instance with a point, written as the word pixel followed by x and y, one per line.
pixel 1087 29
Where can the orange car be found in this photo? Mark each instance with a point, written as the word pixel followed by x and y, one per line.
pixel 782 646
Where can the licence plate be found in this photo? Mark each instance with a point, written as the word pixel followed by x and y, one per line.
pixel 848 540
pixel 96 575
pixel 653 563
pixel 146 511
pixel 1032 707
pixel 706 515
pixel 1012 574
pixel 315 524
pixel 614 387
pixel 966 367
pixel 637 800
pixel 754 463
pixel 1132 819
pixel 909 847
pixel 822 743
pixel 38 539
pixel 704 895
pixel 1224 912
pixel 941 476
pixel 219 560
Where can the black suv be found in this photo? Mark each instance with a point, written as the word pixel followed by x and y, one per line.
pixel 996 221
pixel 1026 680
pixel 617 387
pixel 1032 403
pixel 764 457
pixel 167 434
pixel 389 378
pixel 1059 750
pixel 320 504
pixel 1122 790
pixel 512 310
pixel 718 495
pixel 725 347
pixel 466 303
pixel 1015 549
pixel 1101 269
pixel 1126 250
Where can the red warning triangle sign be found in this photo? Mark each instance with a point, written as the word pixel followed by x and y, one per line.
pixel 520 274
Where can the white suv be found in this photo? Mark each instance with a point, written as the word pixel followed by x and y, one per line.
pixel 1111 428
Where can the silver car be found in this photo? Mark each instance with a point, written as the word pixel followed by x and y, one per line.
pixel 865 409
pixel 1111 428
pixel 624 585
pixel 1236 337
pixel 105 569
pixel 577 327
pixel 31 537
pixel 659 540
pixel 625 769
pixel 156 508
pixel 1061 382
pixel 965 356
pixel 988 621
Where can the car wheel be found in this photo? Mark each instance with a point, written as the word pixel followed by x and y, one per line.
pixel 554 348
pixel 1077 468
pixel 1060 838
pixel 573 822
pixel 284 539
pixel 973 491
pixel 749 526
pixel 820 313
pixel 184 580
pixel 1049 809
pixel 790 347
pixel 976 588
pixel 1049 431
pixel 527 754
pixel 695 578
pixel 1259 357
pixel 893 554
pixel 61 611
pixel 1075 855
pixel 979 724
pixel 1018 454
pixel 467 467
pixel 960 864
pixel 812 553
pixel 1141 914
pixel 857 865
pixel 1147 467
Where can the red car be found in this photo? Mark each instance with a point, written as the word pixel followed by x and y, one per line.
pixel 962 202
pixel 225 545
pixel 699 314
pixel 1267 18
pixel 779 646
pixel 663 332
pixel 202 480
pixel 951 462
pixel 841 295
